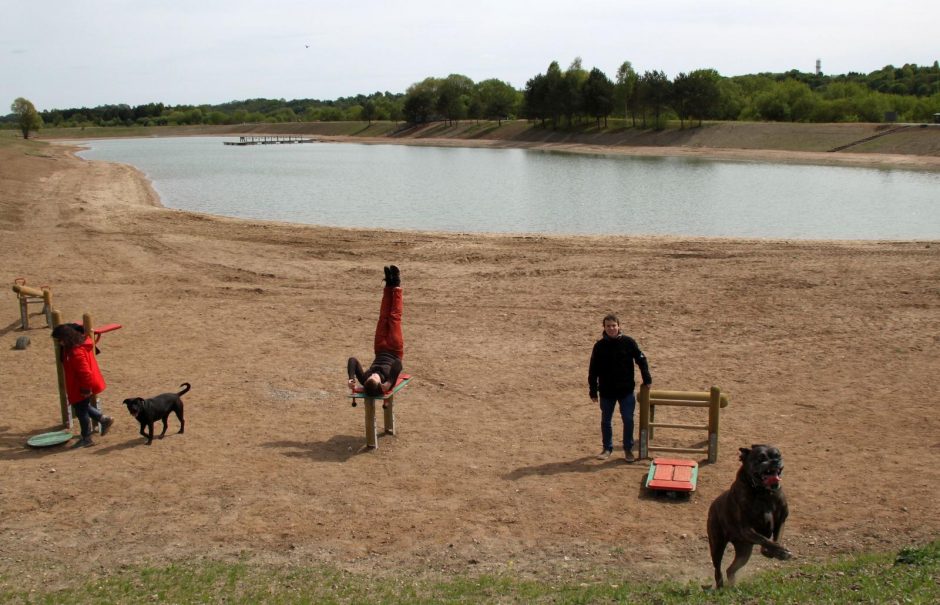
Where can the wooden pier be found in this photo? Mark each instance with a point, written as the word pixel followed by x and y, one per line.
pixel 269 140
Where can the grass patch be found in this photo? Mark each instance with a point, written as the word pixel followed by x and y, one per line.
pixel 12 140
pixel 910 576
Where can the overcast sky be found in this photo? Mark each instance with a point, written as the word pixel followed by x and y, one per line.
pixel 72 53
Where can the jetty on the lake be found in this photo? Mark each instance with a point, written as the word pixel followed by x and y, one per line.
pixel 269 140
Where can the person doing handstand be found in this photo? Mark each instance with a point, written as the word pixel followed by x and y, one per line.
pixel 389 342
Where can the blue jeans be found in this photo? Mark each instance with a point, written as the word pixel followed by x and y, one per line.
pixel 627 407
pixel 85 412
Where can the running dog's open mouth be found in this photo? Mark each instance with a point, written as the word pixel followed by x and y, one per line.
pixel 771 478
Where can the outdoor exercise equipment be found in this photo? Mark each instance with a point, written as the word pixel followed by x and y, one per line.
pixel 26 296
pixel 57 437
pixel 672 475
pixel 388 408
pixel 712 399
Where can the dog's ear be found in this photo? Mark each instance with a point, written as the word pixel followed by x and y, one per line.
pixel 744 453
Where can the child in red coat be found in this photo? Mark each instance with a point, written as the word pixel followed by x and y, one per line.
pixel 83 379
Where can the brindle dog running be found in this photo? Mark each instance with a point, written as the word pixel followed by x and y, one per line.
pixel 752 512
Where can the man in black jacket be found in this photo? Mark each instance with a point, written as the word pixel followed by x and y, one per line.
pixel 611 374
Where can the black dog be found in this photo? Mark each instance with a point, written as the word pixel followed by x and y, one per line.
pixel 147 411
pixel 751 512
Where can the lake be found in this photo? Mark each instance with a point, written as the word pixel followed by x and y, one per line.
pixel 515 190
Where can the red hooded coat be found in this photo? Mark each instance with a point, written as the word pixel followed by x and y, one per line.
pixel 81 372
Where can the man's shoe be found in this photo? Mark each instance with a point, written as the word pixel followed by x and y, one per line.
pixel 82 443
pixel 395 276
pixel 628 456
pixel 604 455
pixel 106 423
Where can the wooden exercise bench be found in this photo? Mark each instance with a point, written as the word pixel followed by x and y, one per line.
pixel 388 408
pixel 26 296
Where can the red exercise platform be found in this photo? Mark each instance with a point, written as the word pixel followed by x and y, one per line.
pixel 359 393
pixel 672 474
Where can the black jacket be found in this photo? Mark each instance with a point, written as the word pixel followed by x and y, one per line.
pixel 611 369
pixel 386 364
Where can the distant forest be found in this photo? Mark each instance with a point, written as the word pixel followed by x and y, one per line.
pixel 558 97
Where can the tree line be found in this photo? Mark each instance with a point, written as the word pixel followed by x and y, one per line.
pixel 562 98
pixel 651 99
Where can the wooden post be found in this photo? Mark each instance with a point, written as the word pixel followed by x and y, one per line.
pixel 389 412
pixel 649 425
pixel 89 328
pixel 644 421
pixel 371 440
pixel 24 312
pixel 60 374
pixel 47 305
pixel 714 405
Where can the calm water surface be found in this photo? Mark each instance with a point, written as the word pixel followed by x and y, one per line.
pixel 513 190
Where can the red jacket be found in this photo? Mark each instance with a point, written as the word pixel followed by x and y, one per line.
pixel 81 372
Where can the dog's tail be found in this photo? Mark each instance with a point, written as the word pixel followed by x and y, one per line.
pixel 186 386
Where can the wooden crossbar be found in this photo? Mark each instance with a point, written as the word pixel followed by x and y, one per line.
pixel 691 403
pixel 27 291
pixel 663 425
pixel 694 399
pixel 683 450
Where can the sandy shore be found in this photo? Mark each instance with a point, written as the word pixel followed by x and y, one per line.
pixel 826 349
pixel 867 160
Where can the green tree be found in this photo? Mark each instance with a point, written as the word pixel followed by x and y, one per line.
pixel 331 114
pixel 535 99
pixel 625 90
pixel 497 98
pixel 598 96
pixel 453 97
pixel 420 101
pixel 214 117
pixel 730 100
pixel 353 114
pixel 572 90
pixel 682 97
pixel 654 94
pixel 27 118
pixel 368 111
pixel 554 93
pixel 284 114
pixel 696 94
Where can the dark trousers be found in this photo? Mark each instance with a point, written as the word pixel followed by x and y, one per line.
pixel 627 407
pixel 85 412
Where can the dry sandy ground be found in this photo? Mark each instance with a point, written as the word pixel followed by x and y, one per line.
pixel 826 349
